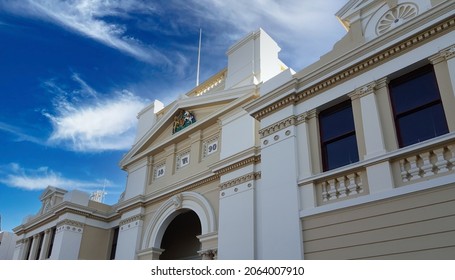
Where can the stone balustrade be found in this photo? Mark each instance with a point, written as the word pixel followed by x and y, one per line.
pixel 342 186
pixel 428 163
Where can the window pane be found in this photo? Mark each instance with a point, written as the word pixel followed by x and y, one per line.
pixel 410 94
pixel 422 125
pixel 341 152
pixel 336 123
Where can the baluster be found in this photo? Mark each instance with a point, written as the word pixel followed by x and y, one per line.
pixel 332 191
pixel 358 180
pixel 352 186
pixel 325 191
pixel 414 170
pixel 427 167
pixel 342 190
pixel 441 163
pixel 452 155
pixel 404 170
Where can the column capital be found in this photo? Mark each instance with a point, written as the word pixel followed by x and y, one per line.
pixel 363 91
pixel 443 55
pixel 209 254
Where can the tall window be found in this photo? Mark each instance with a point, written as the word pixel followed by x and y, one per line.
pixel 338 142
pixel 417 107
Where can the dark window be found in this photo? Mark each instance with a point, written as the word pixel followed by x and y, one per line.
pixel 338 141
pixel 114 243
pixel 417 107
pixel 51 242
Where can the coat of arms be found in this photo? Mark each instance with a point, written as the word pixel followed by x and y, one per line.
pixel 181 120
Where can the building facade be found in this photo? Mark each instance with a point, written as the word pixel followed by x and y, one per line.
pixel 350 158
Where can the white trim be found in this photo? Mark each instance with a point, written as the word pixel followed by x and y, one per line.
pixel 170 209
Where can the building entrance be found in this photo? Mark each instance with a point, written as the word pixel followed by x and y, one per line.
pixel 180 240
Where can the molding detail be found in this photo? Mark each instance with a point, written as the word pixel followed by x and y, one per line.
pixel 131 219
pixel 449 52
pixel 277 126
pixel 240 180
pixel 363 91
pixel 209 254
pixel 70 225
pixel 239 164
pixel 372 61
pixel 396 16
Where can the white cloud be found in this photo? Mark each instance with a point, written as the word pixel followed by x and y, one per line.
pixel 94 124
pixel 86 17
pixel 40 178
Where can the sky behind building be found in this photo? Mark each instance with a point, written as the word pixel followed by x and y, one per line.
pixel 74 74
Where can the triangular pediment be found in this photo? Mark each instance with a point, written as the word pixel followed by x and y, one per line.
pixel 206 110
pixel 50 191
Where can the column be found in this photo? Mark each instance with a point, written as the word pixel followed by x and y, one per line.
pixel 444 68
pixel 130 235
pixel 34 248
pixel 45 244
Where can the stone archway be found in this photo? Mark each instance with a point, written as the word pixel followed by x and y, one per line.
pixel 168 211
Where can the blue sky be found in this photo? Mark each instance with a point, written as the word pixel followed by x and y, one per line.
pixel 75 73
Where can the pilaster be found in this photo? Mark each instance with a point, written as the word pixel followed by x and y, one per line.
pixel 444 68
pixel 130 233
pixel 277 201
pixel 67 242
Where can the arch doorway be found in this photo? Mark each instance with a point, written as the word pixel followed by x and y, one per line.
pixel 180 240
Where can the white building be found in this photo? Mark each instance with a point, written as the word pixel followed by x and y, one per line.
pixel 349 158
pixel 7 245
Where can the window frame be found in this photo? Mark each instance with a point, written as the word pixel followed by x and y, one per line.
pixel 415 74
pixel 324 152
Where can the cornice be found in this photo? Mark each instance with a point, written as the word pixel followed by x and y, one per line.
pixel 358 68
pixel 240 180
pixel 68 222
pixel 61 209
pixel 250 160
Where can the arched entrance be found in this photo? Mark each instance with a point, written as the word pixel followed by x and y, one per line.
pixel 180 240
pixel 166 214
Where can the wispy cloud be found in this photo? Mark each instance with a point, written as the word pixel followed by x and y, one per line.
pixel 95 124
pixel 17 176
pixel 20 134
pixel 89 18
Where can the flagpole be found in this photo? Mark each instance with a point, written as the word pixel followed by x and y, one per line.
pixel 198 57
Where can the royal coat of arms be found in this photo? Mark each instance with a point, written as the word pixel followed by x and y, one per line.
pixel 181 120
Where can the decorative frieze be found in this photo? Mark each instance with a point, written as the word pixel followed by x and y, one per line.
pixel 277 126
pixel 70 225
pixel 365 65
pixel 239 164
pixel 240 180
pixel 131 222
pixel 363 91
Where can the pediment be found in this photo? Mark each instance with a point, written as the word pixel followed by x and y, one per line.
pixel 204 109
pixel 51 191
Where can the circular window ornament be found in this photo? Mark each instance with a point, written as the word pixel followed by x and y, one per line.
pixel 396 17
